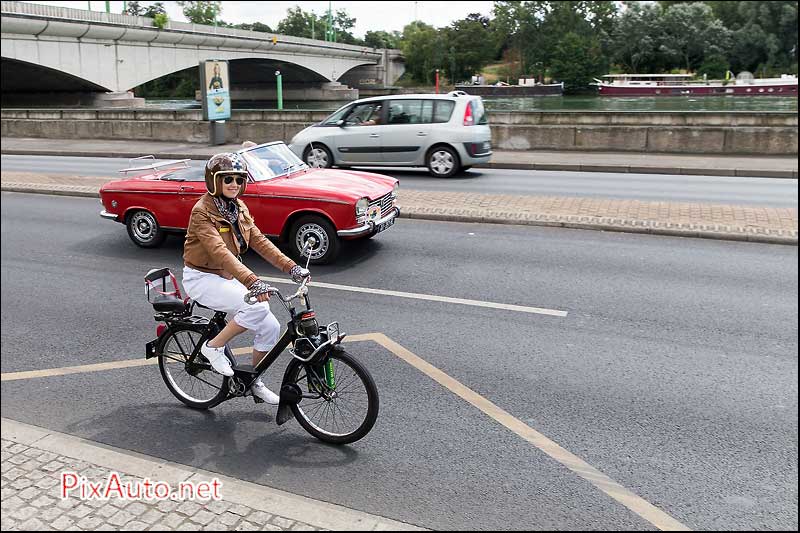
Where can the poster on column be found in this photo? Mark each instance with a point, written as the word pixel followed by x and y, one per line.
pixel 215 86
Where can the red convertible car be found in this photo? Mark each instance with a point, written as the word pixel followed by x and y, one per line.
pixel 289 201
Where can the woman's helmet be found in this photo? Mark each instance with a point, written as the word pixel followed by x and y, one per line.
pixel 221 165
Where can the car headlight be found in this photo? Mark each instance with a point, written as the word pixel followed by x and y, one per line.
pixel 361 207
pixel 395 189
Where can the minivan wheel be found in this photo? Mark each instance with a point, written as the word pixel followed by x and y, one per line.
pixel 318 156
pixel 443 162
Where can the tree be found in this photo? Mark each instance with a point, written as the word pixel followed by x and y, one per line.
pixel 576 59
pixel 382 39
pixel 421 46
pixel 255 26
pixel 691 31
pixel 299 23
pixel 714 67
pixel 133 9
pixel 634 40
pixel 201 12
pixel 136 9
pixel 471 45
pixel 519 26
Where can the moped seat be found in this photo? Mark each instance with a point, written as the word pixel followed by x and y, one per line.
pixel 168 304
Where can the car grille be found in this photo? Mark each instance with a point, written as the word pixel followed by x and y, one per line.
pixel 385 202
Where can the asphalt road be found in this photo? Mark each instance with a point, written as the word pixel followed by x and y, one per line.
pixel 674 372
pixel 658 187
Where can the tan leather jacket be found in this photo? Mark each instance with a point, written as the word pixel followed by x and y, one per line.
pixel 211 244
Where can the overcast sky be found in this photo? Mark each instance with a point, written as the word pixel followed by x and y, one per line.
pixel 374 15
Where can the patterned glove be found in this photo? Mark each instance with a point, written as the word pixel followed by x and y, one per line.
pixel 258 287
pixel 299 273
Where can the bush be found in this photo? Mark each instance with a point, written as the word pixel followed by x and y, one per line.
pixel 160 20
pixel 715 67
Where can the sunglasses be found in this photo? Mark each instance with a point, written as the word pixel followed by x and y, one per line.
pixel 229 179
pixel 230 175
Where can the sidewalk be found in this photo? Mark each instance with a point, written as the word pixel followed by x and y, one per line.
pixel 726 222
pixel 33 459
pixel 714 221
pixel 747 166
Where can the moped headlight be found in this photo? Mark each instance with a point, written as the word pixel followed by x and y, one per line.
pixel 361 207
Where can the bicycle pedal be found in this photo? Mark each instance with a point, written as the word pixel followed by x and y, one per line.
pixel 256 399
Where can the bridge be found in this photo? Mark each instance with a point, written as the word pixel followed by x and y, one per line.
pixel 68 53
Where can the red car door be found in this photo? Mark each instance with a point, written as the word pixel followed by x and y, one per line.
pixel 265 208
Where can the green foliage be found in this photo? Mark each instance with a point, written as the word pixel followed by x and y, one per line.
pixel 383 39
pixel 633 42
pixel 690 31
pixel 470 45
pixel 201 12
pixel 136 9
pixel 576 60
pixel 182 84
pixel 300 23
pixel 160 20
pixel 422 46
pixel 714 67
pixel 255 26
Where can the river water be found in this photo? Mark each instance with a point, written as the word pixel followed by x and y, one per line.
pixel 552 103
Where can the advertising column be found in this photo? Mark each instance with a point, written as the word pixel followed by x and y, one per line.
pixel 215 88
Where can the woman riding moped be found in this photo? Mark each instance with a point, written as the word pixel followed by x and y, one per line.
pixel 220 230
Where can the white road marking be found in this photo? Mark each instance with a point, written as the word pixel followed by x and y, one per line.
pixel 429 297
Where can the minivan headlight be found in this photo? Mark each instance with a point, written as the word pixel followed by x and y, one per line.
pixel 361 207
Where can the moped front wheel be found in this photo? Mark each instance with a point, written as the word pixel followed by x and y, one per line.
pixel 194 383
pixel 344 407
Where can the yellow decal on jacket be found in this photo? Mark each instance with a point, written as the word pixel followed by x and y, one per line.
pixel 223 230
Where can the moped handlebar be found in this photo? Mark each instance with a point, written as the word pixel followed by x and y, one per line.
pixel 251 299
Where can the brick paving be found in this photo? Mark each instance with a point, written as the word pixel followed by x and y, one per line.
pixel 31 501
pixel 717 221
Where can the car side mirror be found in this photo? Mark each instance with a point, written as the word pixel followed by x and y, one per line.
pixel 340 123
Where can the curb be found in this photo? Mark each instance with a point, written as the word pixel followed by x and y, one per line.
pixel 625 169
pixel 260 497
pixel 569 221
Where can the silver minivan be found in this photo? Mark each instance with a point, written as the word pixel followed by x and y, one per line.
pixel 447 133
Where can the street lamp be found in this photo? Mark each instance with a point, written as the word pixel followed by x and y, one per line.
pixel 280 89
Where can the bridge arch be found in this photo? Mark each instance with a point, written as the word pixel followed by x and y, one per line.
pixel 24 77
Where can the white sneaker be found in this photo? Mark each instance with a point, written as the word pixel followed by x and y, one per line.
pixel 216 356
pixel 261 390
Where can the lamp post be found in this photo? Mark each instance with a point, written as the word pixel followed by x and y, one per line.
pixel 437 81
pixel 280 89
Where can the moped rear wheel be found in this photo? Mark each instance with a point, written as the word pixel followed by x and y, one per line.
pixel 339 414
pixel 195 384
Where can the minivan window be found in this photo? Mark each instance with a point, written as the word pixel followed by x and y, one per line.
pixel 337 116
pixel 443 111
pixel 405 112
pixel 478 112
pixel 367 114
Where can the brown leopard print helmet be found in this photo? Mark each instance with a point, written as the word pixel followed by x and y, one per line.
pixel 222 165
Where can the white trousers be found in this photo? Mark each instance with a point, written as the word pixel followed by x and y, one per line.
pixel 227 295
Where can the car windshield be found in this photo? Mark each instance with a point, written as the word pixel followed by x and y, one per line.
pixel 272 160
pixel 185 174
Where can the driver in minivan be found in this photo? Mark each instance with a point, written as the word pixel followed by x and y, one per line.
pixel 374 118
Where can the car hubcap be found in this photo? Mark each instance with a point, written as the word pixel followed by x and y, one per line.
pixel 320 235
pixel 442 162
pixel 317 158
pixel 144 226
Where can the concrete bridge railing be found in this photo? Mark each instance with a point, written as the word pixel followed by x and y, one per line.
pixel 660 132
